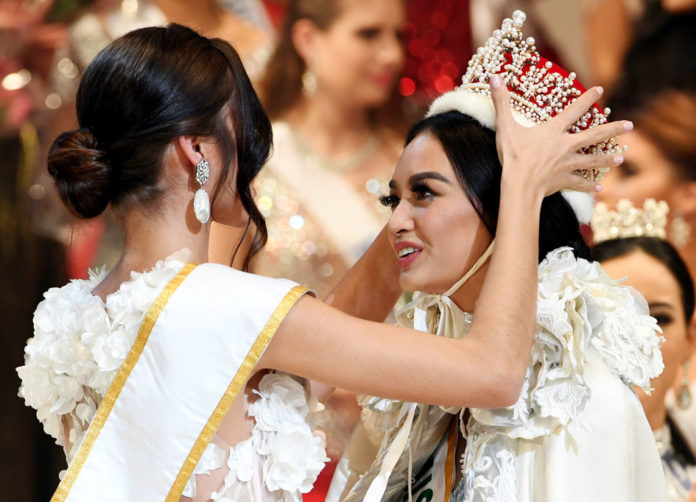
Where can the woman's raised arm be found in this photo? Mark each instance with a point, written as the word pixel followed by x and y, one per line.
pixel 370 288
pixel 487 367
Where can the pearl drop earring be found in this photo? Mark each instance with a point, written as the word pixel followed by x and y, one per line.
pixel 201 201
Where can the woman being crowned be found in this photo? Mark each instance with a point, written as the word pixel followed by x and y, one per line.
pixel 577 433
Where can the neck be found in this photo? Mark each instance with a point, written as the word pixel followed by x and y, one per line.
pixel 145 235
pixel 466 296
pixel 205 17
pixel 152 236
pixel 333 129
pixel 655 409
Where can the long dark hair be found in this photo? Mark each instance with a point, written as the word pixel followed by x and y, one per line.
pixel 141 92
pixel 471 150
pixel 659 249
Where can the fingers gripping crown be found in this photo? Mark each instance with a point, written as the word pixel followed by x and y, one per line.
pixel 539 90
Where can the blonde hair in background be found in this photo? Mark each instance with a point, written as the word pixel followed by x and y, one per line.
pixel 669 122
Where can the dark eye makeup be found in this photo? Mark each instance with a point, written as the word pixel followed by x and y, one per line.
pixel 423 191
pixel 626 170
pixel 663 319
pixel 389 201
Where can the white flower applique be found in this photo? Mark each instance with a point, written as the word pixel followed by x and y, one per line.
pixel 579 306
pixel 78 345
pixel 283 451
pixel 294 454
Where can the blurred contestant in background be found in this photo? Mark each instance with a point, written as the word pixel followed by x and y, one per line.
pixel 334 68
pixel 661 164
pixel 630 243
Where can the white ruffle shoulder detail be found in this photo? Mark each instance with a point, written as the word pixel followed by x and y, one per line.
pixel 577 432
pixel 79 344
pixel 577 410
pixel 282 458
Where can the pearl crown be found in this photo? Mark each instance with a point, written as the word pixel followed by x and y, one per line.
pixel 627 221
pixel 540 89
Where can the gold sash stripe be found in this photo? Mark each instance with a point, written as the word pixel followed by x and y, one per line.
pixel 449 462
pixel 218 414
pixel 119 381
pixel 240 378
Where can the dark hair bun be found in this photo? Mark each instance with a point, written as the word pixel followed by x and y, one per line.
pixel 81 172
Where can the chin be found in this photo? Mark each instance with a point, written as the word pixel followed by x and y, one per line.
pixel 375 98
pixel 411 282
pixel 407 283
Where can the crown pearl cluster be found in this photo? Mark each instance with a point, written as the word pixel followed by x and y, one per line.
pixel 627 221
pixel 539 88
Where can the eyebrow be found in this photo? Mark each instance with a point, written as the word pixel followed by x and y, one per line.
pixel 660 305
pixel 420 177
pixel 428 175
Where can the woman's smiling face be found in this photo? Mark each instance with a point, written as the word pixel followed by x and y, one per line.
pixel 434 229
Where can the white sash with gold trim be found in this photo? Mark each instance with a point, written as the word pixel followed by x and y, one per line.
pixel 194 352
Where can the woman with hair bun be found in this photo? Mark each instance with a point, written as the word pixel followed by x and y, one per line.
pixel 169 378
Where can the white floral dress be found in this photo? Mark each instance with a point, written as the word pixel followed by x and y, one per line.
pixel 81 341
pixel 577 433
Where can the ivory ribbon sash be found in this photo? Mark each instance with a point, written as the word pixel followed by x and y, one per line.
pixel 194 352
pixel 449 322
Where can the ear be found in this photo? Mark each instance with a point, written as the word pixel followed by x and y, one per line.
pixel 684 199
pixel 190 146
pixel 304 34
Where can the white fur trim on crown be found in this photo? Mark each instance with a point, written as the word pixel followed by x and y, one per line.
pixel 475 105
pixel 480 107
pixel 582 204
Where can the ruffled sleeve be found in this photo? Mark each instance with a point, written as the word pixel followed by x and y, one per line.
pixel 58 359
pixel 579 308
pixel 79 343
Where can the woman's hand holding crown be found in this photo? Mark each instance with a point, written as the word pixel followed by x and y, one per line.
pixel 547 158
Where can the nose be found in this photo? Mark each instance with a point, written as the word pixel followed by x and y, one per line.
pixel 401 220
pixel 391 52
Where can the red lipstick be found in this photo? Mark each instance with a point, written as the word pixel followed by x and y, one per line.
pixel 412 252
